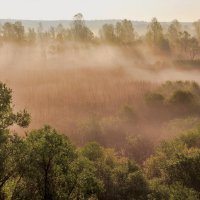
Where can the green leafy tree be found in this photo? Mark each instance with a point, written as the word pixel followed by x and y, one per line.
pixel 122 178
pixel 51 169
pixel 7 115
pixel 175 191
pixel 175 162
pixel 8 143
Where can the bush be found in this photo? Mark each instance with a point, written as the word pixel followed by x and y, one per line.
pixel 181 97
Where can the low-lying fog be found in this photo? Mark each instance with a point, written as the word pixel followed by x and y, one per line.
pixel 65 89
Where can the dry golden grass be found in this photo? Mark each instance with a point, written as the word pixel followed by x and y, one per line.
pixel 64 89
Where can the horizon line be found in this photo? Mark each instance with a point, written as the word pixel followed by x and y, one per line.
pixel 108 19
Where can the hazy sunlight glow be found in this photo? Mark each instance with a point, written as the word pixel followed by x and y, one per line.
pixel 183 10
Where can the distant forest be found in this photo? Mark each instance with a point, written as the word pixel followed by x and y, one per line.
pixel 175 38
pixel 94 25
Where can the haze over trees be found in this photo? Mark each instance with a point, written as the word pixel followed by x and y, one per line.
pixel 175 40
pixel 125 107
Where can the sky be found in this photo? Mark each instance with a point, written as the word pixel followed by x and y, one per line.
pixel 143 10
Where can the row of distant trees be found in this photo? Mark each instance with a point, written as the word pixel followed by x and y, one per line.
pixel 175 39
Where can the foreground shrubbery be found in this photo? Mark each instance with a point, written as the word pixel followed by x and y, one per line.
pixel 175 99
pixel 45 165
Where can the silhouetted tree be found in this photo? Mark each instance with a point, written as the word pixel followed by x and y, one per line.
pixel 79 31
pixel 155 36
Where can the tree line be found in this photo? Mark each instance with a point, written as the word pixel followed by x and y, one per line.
pixel 174 40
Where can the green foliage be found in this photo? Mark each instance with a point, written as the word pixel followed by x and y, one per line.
pixel 181 97
pixel 174 99
pixel 51 169
pixel 185 170
pixel 178 191
pixel 155 165
pixel 177 126
pixel 175 191
pixel 175 162
pixel 121 177
pixel 191 138
pixel 93 151
pixel 129 182
pixel 7 116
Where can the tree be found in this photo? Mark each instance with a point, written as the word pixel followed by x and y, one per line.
pixel 52 33
pixel 8 143
pixel 51 169
pixel 194 48
pixel 129 182
pixel 7 30
pixel 13 32
pixel 185 41
pixel 31 36
pixel 181 97
pixel 40 31
pixel 121 177
pixel 155 36
pixel 174 34
pixel 177 161
pixel 197 29
pixel 7 116
pixel 107 33
pixel 79 31
pixel 190 45
pixel 175 191
pixel 19 31
pixel 125 32
pixel 185 169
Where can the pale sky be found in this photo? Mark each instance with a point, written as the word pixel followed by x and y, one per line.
pixel 164 10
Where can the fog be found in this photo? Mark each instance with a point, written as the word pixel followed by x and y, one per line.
pixel 68 88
